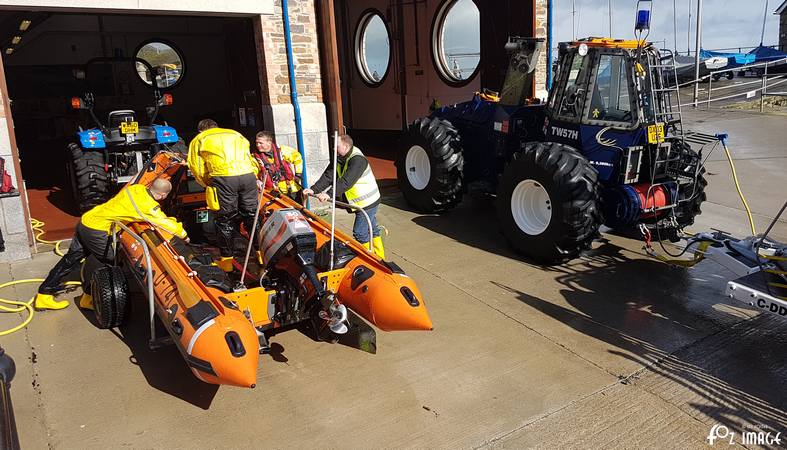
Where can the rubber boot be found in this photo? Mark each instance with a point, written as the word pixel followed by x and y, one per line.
pixel 377 244
pixel 47 301
pixel 225 263
pixel 86 301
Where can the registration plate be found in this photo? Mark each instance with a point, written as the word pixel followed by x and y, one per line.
pixel 656 133
pixel 129 127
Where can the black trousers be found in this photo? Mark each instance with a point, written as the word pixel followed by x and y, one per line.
pixel 237 203
pixel 86 242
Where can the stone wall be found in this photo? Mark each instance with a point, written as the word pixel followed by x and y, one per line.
pixel 278 111
pixel 541 31
pixel 12 216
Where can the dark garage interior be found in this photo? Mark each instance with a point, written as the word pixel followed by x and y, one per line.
pixel 208 64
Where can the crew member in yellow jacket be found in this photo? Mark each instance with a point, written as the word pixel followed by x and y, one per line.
pixel 220 160
pixel 133 203
pixel 283 164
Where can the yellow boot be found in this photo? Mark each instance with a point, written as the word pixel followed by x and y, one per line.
pixel 225 263
pixel 46 301
pixel 377 244
pixel 86 301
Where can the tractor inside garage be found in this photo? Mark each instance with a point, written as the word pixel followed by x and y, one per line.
pixel 63 64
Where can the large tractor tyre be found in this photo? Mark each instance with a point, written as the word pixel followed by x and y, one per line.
pixel 686 211
pixel 429 165
pixel 89 181
pixel 110 296
pixel 547 202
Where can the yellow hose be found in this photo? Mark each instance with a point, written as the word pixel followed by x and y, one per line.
pixel 16 306
pixel 38 229
pixel 740 193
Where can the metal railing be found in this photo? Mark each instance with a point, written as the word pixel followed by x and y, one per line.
pixel 152 343
pixel 767 81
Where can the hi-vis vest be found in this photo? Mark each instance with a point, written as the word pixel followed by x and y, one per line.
pixel 364 192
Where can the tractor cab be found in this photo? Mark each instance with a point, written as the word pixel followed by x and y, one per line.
pixel 615 85
pixel 613 101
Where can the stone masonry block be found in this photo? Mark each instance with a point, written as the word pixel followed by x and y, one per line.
pixel 13 215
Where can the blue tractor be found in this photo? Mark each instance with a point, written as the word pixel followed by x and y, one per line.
pixel 107 155
pixel 606 148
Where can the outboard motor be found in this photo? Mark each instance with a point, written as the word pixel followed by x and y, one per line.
pixel 288 243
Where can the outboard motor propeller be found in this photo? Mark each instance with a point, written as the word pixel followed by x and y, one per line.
pixel 336 317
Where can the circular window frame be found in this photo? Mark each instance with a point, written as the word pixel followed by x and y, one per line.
pixel 360 64
pixel 438 61
pixel 178 51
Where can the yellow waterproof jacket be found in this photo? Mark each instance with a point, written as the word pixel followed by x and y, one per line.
pixel 219 152
pixel 122 208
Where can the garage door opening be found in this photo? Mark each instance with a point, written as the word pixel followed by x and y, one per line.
pixel 207 64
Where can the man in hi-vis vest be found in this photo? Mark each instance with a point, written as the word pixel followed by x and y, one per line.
pixel 355 182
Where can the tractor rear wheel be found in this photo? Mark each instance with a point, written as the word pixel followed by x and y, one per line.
pixel 686 211
pixel 110 296
pixel 429 165
pixel 87 177
pixel 547 202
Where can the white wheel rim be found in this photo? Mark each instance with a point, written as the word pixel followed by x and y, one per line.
pixel 417 167
pixel 531 207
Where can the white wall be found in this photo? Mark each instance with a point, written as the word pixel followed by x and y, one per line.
pixel 222 7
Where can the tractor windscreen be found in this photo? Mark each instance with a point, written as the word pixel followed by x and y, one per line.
pixel 570 99
pixel 610 98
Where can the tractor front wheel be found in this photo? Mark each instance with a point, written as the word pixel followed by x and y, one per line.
pixel 429 165
pixel 547 202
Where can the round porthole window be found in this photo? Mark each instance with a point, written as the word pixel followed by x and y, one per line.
pixel 166 62
pixel 372 48
pixel 456 40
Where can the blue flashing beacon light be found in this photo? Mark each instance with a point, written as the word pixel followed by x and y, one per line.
pixel 643 15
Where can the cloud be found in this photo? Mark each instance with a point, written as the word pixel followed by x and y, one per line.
pixel 725 24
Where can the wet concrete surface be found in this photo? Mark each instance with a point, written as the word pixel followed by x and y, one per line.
pixel 613 349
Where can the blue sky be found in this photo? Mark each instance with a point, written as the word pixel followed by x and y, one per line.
pixel 726 23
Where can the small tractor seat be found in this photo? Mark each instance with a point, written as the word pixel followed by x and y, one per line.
pixel 121 115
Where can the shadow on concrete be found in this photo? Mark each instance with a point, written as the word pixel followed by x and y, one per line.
pixel 473 222
pixel 164 368
pixel 733 369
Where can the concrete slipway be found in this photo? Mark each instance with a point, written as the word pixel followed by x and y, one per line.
pixel 611 350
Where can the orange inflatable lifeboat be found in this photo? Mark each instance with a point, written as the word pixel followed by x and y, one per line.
pixel 221 325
